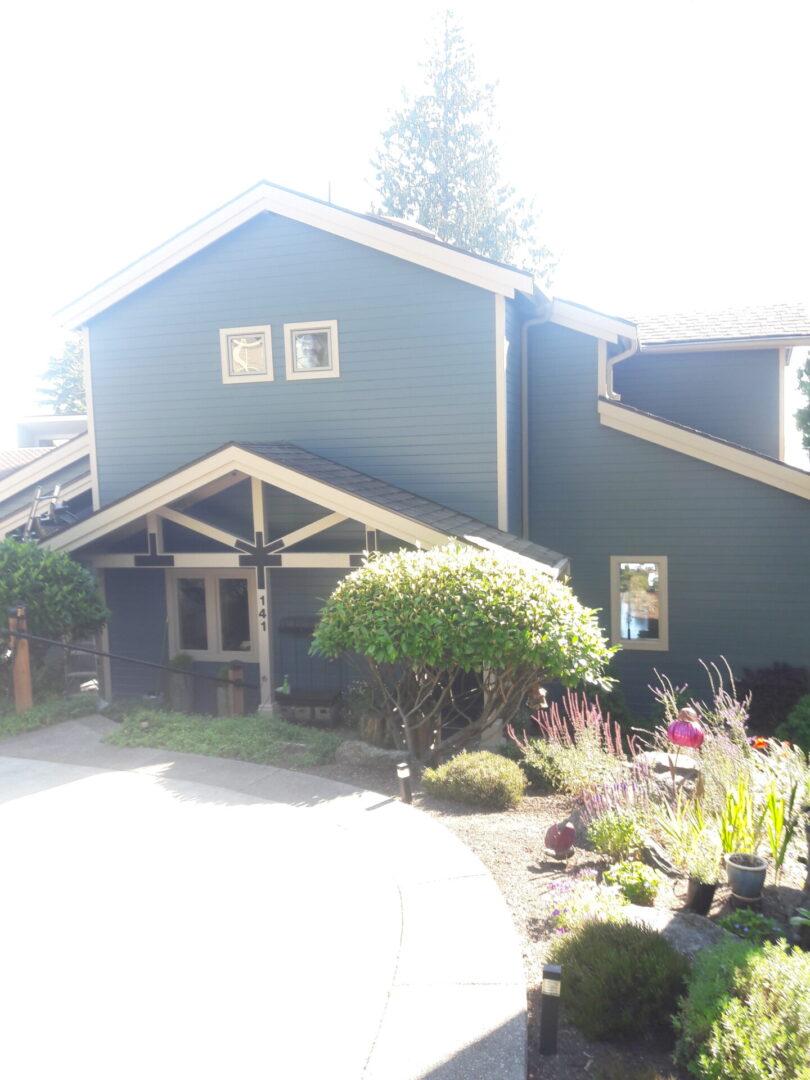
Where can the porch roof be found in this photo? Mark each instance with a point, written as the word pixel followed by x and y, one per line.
pixel 401 513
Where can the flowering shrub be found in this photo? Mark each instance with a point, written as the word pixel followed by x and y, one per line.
pixel 750 926
pixel 639 884
pixel 579 900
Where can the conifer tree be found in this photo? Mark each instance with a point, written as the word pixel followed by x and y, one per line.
pixel 439 165
pixel 65 374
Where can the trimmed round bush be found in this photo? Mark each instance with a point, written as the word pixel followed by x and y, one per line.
pixel 482 778
pixel 746 1015
pixel 620 980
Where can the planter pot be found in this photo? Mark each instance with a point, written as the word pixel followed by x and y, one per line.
pixel 746 875
pixel 699 896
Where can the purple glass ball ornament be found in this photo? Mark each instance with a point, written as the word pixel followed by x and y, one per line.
pixel 686 730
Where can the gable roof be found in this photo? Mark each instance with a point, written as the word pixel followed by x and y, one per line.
pixel 11 460
pixel 393 238
pixel 42 464
pixel 779 323
pixel 391 509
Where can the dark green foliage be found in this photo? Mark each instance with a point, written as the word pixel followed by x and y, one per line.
pixel 750 926
pixel 65 396
pixel 620 980
pixel 61 598
pixel 616 833
pixel 802 416
pixel 262 739
pixel 438 165
pixel 482 778
pixel 746 1015
pixel 796 728
pixel 774 691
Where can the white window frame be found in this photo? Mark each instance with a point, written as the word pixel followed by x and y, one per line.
pixel 225 357
pixel 659 644
pixel 211 579
pixel 329 325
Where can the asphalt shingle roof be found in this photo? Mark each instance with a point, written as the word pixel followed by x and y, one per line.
pixel 728 324
pixel 11 460
pixel 424 511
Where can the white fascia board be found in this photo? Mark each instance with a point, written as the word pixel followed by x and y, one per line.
pixel 726 345
pixel 593 323
pixel 265 197
pixel 165 491
pixel 714 452
pixel 42 467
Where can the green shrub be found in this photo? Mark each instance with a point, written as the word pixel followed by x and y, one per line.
pixel 746 1015
pixel 639 884
pixel 620 980
pixel 482 778
pixel 750 926
pixel 617 834
pixel 579 900
pixel 774 691
pixel 796 728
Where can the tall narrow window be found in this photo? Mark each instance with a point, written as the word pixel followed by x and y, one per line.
pixel 639 602
pixel 234 615
pixel 192 615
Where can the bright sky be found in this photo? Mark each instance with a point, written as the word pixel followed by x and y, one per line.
pixel 665 142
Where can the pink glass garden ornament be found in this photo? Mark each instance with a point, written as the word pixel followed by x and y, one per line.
pixel 686 730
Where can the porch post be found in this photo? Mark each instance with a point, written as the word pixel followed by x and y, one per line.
pixel 267 700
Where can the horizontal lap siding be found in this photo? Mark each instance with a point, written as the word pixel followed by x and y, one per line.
pixel 137 628
pixel 301 594
pixel 414 404
pixel 513 417
pixel 738 556
pixel 733 395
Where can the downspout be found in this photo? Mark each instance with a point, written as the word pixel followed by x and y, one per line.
pixel 631 350
pixel 524 412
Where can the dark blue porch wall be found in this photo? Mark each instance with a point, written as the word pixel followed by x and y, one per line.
pixel 300 594
pixel 414 404
pixel 733 395
pixel 22 499
pixel 137 628
pixel 514 318
pixel 738 556
pixel 205 691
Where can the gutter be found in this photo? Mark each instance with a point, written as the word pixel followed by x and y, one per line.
pixel 631 350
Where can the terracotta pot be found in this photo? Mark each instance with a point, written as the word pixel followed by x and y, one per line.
pixel 746 875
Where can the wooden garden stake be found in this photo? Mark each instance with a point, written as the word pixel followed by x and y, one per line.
pixel 21 670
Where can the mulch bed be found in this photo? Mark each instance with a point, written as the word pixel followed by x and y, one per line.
pixel 510 844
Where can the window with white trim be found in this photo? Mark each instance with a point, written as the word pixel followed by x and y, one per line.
pixel 639 602
pixel 246 354
pixel 212 614
pixel 311 350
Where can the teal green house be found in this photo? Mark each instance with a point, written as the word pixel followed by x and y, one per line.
pixel 287 385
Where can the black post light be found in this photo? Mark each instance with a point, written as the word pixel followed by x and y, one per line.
pixel 550 1008
pixel 404 776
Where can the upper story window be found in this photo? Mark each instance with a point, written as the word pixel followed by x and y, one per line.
pixel 311 350
pixel 639 602
pixel 246 353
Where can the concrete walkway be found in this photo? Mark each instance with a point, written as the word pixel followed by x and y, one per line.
pixel 173 915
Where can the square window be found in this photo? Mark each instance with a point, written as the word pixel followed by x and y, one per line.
pixel 246 354
pixel 311 350
pixel 639 602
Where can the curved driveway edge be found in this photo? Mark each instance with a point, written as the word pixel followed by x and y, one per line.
pixel 364 941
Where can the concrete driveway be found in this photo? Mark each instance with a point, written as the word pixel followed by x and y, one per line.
pixel 171 915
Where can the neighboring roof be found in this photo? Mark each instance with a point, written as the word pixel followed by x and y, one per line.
pixel 395 239
pixel 321 480
pixel 772 322
pixel 32 429
pixel 44 463
pixel 11 460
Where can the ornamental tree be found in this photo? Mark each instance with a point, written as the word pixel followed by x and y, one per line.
pixel 61 599
pixel 455 640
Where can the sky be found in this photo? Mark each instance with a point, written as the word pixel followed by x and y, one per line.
pixel 664 144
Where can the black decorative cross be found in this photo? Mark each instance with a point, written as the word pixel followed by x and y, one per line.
pixel 153 559
pixel 258 555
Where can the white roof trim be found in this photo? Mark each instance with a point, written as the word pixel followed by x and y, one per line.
pixel 42 467
pixel 593 323
pixel 68 491
pixel 726 344
pixel 267 197
pixel 704 448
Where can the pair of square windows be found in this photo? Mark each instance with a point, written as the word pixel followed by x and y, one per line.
pixel 310 352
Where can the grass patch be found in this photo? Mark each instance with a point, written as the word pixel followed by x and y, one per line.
pixel 45 714
pixel 261 739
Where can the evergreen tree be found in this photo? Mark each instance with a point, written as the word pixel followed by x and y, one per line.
pixel 65 374
pixel 802 416
pixel 439 165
